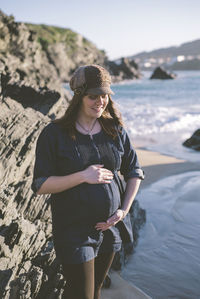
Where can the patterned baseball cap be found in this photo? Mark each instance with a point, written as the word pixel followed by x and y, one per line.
pixel 91 79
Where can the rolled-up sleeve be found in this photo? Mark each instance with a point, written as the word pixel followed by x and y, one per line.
pixel 130 167
pixel 45 155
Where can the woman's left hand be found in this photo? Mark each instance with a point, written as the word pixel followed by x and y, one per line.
pixel 119 215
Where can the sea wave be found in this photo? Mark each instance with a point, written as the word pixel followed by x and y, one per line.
pixel 162 114
pixel 148 119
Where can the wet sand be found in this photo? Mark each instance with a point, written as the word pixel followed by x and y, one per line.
pixel 157 166
pixel 121 289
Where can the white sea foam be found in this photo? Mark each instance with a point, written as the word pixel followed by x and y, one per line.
pixel 147 119
pixel 162 114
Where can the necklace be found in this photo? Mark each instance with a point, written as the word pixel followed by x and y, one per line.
pixel 87 131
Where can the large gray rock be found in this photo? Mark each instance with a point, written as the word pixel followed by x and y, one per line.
pixel 160 73
pixel 124 69
pixel 29 99
pixel 25 221
pixel 194 141
pixel 21 53
pixel 25 51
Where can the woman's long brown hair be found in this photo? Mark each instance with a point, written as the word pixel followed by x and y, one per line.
pixel 109 120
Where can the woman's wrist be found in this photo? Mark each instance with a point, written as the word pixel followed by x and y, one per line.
pixel 82 176
pixel 124 213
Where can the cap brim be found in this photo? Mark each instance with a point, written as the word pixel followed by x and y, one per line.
pixel 99 90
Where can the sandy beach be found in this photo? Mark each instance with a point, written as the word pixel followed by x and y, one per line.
pixel 156 166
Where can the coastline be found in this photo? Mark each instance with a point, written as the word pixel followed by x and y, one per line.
pixel 156 166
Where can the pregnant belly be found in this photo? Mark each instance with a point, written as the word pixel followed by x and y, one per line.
pixel 101 200
pixel 85 204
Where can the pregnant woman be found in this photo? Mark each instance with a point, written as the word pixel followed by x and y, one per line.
pixel 78 160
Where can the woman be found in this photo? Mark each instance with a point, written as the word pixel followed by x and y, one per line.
pixel 78 158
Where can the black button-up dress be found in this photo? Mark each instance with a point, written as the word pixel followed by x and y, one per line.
pixel 76 211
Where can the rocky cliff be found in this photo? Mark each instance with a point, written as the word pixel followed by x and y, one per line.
pixel 48 54
pixel 43 53
pixel 66 49
pixel 31 95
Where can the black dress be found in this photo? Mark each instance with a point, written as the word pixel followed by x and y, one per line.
pixel 76 211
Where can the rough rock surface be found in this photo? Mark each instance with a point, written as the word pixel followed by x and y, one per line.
pixel 160 73
pixel 24 50
pixel 27 259
pixel 194 141
pixel 66 49
pixel 21 53
pixel 48 54
pixel 123 69
pixel 29 99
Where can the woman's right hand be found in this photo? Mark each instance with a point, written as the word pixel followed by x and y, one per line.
pixel 96 174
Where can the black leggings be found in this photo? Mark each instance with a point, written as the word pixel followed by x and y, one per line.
pixel 84 281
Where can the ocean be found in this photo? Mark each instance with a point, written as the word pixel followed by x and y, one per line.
pixel 160 115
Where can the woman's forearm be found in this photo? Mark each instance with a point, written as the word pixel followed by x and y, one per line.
pixel 131 190
pixel 56 184
pixel 94 174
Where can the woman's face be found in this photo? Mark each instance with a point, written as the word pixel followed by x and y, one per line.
pixel 93 105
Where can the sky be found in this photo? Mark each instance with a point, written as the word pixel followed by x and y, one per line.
pixel 120 27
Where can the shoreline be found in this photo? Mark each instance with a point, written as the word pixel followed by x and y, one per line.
pixel 156 166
